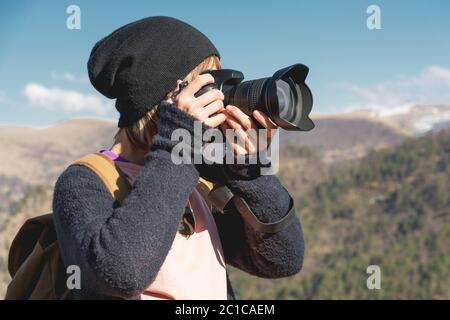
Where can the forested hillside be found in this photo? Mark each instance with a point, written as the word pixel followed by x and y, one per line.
pixel 391 209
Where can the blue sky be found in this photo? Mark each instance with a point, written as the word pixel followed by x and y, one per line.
pixel 43 72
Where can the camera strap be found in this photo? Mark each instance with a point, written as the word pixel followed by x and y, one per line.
pixel 224 200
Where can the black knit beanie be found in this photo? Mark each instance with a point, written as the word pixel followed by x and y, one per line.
pixel 139 63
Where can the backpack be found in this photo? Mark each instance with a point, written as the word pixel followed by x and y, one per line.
pixel 34 260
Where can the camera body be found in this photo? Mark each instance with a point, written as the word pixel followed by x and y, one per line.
pixel 224 80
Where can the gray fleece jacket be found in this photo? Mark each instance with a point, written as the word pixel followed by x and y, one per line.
pixel 120 248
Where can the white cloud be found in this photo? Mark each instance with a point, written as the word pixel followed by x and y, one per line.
pixel 68 101
pixel 67 76
pixel 431 86
pixel 436 75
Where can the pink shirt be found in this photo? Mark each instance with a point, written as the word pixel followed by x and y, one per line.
pixel 194 268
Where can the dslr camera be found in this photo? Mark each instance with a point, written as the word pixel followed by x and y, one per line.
pixel 284 97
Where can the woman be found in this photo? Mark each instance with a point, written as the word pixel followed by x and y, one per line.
pixel 140 249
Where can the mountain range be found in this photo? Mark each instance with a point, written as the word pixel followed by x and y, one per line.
pixel 36 156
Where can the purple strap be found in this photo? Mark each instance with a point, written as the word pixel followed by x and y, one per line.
pixel 113 156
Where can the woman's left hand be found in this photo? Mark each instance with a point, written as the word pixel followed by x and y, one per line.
pixel 240 122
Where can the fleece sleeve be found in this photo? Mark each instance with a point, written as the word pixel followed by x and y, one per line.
pixel 261 254
pixel 120 249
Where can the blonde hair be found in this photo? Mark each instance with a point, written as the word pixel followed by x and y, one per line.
pixel 140 133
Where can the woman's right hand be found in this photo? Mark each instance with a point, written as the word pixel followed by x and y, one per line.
pixel 207 108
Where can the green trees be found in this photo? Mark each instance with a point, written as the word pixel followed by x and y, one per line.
pixel 391 209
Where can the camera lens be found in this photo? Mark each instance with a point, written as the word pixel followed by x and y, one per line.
pixel 247 95
pixel 290 102
pixel 284 97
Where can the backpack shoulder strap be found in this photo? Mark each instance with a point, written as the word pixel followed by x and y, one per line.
pixel 119 187
pixel 108 172
pixel 204 187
